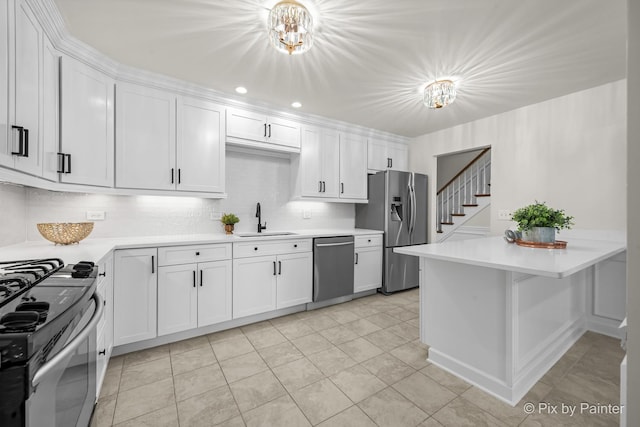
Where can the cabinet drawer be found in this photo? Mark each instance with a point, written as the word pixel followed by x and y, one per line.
pixel 173 255
pixel 370 240
pixel 272 247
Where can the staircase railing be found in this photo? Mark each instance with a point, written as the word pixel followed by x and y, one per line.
pixel 473 181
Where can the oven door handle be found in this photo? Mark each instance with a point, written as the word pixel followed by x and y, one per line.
pixel 73 345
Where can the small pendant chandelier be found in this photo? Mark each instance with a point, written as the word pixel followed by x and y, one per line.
pixel 439 94
pixel 290 27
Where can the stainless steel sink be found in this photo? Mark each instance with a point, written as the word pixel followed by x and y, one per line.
pixel 266 234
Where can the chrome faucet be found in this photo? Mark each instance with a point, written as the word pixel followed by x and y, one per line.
pixel 259 216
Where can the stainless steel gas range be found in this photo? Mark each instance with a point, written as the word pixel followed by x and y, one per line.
pixel 48 318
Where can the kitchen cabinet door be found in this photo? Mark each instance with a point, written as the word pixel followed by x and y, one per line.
pixel 399 157
pixel 367 271
pixel 295 279
pixel 135 295
pixel 377 159
pixel 145 138
pixel 353 166
pixel 87 134
pixel 27 71
pixel 246 124
pixel 254 285
pixel 319 157
pixel 200 146
pixel 6 159
pixel 177 298
pixel 283 132
pixel 215 290
pixel 105 327
pixel 50 112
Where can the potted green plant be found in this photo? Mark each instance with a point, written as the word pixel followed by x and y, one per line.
pixel 538 222
pixel 229 220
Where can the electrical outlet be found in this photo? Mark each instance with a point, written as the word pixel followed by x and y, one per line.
pixel 504 215
pixel 306 214
pixel 96 215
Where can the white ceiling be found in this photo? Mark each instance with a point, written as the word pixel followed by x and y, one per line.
pixel 370 57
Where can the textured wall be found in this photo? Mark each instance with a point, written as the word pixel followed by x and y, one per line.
pixel 13 208
pixel 250 179
pixel 569 151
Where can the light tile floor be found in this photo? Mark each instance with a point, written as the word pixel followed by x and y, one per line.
pixel 355 364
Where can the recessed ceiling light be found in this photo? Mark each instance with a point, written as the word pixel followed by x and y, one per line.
pixel 242 90
pixel 296 104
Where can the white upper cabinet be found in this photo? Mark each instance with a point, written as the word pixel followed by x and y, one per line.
pixel 5 150
pixel 166 142
pixel 50 107
pixel 385 155
pixel 145 138
pixel 262 131
pixel 331 165
pixel 200 146
pixel 87 134
pixel 353 166
pixel 21 148
pixel 319 162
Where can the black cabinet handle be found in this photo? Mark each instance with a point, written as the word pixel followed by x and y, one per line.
pixel 319 186
pixel 391 161
pixel 274 268
pixel 279 267
pixel 265 130
pixel 153 264
pixel 20 141
pixel 342 188
pixel 356 257
pixel 200 278
pixel 68 156
pixel 194 278
pixel 103 274
pixel 388 162
pixel 62 157
pixel 26 143
pixel 179 175
pixel 197 253
pixel 324 187
pixel 269 130
pixel 103 352
pixel 172 171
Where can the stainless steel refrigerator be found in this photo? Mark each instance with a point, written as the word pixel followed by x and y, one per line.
pixel 398 206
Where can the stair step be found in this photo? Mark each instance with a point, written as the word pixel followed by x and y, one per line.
pixel 458 214
pixel 446 223
pixel 483 195
pixel 470 205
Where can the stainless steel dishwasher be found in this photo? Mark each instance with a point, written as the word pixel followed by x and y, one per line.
pixel 332 267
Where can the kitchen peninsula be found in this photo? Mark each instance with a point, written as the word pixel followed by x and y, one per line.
pixel 500 315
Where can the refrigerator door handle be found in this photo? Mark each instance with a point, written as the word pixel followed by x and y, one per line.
pixel 414 207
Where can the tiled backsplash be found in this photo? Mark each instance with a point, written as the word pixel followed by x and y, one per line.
pixel 249 179
pixel 13 208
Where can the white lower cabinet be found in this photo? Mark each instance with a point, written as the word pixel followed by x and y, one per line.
pixel 105 326
pixel 266 283
pixel 135 295
pixel 195 294
pixel 367 271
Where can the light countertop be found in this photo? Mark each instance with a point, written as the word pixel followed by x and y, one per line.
pixel 96 249
pixel 582 251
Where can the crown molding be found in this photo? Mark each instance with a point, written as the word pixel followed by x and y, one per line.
pixel 55 28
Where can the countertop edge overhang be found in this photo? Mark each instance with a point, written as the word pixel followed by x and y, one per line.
pixel 494 252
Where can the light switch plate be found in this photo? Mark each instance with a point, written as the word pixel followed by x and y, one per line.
pixel 96 215
pixel 306 214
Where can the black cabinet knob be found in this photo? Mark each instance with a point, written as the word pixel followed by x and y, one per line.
pixel 255 249
pixel 103 274
pixel 103 352
pixel 295 246
pixel 197 253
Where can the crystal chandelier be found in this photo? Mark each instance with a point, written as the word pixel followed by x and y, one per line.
pixel 439 94
pixel 290 27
